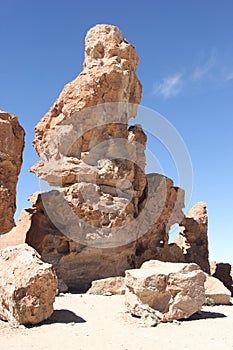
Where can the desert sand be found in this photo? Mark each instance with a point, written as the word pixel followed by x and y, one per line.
pixel 86 322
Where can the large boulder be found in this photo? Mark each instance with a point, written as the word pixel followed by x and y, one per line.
pixel 215 292
pixel 11 150
pixel 170 291
pixel 193 239
pixel 27 286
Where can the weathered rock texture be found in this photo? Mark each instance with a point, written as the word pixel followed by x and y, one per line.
pixel 105 215
pixel 193 239
pixel 79 261
pixel 19 232
pixel 170 291
pixel 215 292
pixel 27 286
pixel 224 272
pixel 108 286
pixel 11 149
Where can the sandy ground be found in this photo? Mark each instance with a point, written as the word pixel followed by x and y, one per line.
pixel 87 322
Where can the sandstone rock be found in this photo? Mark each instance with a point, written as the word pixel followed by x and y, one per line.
pixel 193 238
pixel 112 285
pixel 11 149
pixel 215 292
pixel 18 234
pixel 108 84
pixel 223 272
pixel 86 145
pixel 105 215
pixel 88 253
pixel 162 208
pixel 170 291
pixel 27 286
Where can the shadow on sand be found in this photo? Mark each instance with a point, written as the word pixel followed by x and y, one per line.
pixel 60 316
pixel 203 315
pixel 64 316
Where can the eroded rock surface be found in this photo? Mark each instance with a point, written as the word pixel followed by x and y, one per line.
pixel 11 150
pixel 27 286
pixel 215 292
pixel 19 232
pixel 193 239
pixel 105 215
pixel 108 286
pixel 86 254
pixel 169 291
pixel 223 272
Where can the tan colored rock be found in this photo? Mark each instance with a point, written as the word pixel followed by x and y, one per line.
pixel 162 208
pixel 108 286
pixel 91 253
pixel 223 272
pixel 11 150
pixel 215 292
pixel 27 286
pixel 109 78
pixel 193 239
pixel 79 258
pixel 92 154
pixel 169 291
pixel 105 215
pixel 18 234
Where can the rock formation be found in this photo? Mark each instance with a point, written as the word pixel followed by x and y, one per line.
pixel 224 272
pixel 11 149
pixel 170 291
pixel 19 232
pixel 215 292
pixel 105 215
pixel 27 286
pixel 193 239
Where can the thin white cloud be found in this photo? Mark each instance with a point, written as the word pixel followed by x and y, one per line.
pixel 229 77
pixel 170 86
pixel 201 70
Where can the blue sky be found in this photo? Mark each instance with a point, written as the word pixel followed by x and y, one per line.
pixel 186 69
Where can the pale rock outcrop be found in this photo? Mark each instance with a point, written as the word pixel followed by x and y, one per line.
pixel 18 233
pixel 193 239
pixel 86 145
pixel 108 286
pixel 78 263
pixel 11 150
pixel 169 291
pixel 223 272
pixel 27 286
pixel 215 292
pixel 89 254
pixel 105 215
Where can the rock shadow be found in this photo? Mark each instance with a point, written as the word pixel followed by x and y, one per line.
pixel 64 316
pixel 223 273
pixel 203 315
pixel 60 316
